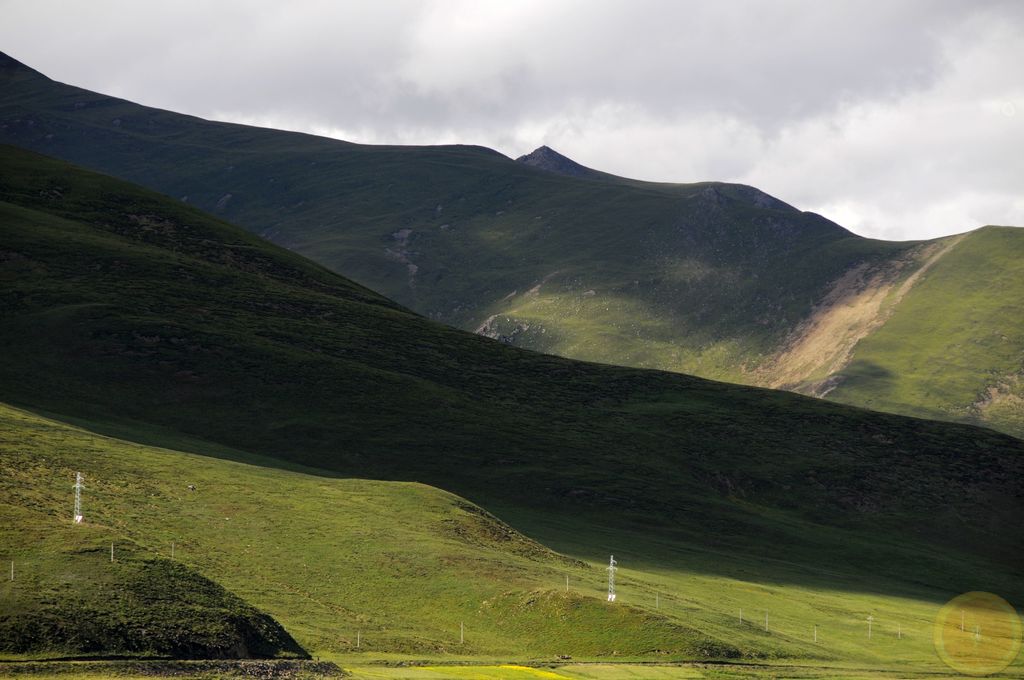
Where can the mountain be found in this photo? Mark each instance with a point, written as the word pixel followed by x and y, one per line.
pixel 717 280
pixel 125 307
pixel 163 333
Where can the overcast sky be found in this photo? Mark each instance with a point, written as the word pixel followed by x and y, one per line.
pixel 896 119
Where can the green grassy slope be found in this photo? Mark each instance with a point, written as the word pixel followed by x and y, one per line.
pixel 953 346
pixel 395 568
pixel 68 599
pixel 701 278
pixel 134 311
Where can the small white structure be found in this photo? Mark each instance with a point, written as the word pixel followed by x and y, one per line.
pixel 78 498
pixel 611 578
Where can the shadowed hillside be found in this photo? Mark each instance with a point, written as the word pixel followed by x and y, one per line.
pixel 130 309
pixel 712 279
pixel 717 280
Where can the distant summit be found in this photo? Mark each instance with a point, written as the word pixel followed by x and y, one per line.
pixel 546 158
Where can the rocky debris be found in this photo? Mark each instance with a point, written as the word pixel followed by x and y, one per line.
pixel 497 327
pixel 760 199
pixel 400 253
pixel 822 388
pixel 222 203
pixel 724 194
pixel 711 196
pixel 402 236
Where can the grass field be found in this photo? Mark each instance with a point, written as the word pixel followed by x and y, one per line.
pixel 402 565
pixel 605 671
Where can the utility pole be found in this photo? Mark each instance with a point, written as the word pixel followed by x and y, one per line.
pixel 741 614
pixel 78 498
pixel 870 619
pixel 657 600
pixel 815 632
pixel 611 578
pixel 359 635
pixel 172 550
pixel 566 583
pixel 111 551
pixel 766 622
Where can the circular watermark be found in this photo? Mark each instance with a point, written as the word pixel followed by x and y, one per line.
pixel 977 633
pixel 1009 109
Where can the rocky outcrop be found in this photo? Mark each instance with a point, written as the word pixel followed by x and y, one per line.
pixel 546 158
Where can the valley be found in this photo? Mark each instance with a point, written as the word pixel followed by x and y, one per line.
pixel 359 470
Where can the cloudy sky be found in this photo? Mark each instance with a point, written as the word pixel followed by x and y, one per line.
pixel 896 119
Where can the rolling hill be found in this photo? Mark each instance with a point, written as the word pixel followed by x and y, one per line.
pixel 155 348
pixel 712 279
pixel 143 315
pixel 361 570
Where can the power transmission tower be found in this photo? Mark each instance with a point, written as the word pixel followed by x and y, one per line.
pixel 78 498
pixel 611 578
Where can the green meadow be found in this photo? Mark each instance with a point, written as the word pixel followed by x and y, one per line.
pixel 361 571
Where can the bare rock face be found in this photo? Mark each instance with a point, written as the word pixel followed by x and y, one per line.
pixel 546 158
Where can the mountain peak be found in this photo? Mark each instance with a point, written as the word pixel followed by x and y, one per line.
pixel 546 158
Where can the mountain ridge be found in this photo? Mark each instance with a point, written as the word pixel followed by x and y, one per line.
pixel 711 279
pixel 241 312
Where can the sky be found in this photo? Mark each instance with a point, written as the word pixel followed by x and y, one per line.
pixel 899 120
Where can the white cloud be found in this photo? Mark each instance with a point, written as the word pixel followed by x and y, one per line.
pixel 898 120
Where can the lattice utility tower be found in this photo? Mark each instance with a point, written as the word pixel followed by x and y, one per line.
pixel 78 498
pixel 611 578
